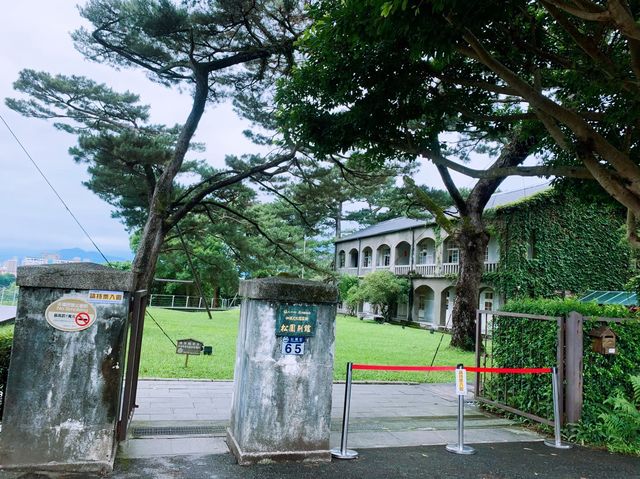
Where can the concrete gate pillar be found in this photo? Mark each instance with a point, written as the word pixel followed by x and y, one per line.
pixel 63 391
pixel 281 407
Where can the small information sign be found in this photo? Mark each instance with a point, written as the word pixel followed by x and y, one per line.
pixel 293 345
pixel 106 297
pixel 70 314
pixel 296 319
pixel 189 346
pixel 461 382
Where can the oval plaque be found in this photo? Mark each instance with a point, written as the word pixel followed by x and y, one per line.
pixel 70 314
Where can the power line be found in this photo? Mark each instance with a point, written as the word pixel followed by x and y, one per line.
pixel 53 189
pixel 72 215
pixel 157 324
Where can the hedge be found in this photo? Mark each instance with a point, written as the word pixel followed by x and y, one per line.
pixel 555 241
pixel 6 340
pixel 520 342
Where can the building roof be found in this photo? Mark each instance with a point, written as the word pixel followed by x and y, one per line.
pixel 402 223
pixel 501 199
pixel 624 298
pixel 389 226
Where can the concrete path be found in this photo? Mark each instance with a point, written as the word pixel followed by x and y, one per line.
pixel 519 460
pixel 7 313
pixel 492 461
pixel 190 417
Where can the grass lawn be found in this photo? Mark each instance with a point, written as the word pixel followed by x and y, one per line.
pixel 356 341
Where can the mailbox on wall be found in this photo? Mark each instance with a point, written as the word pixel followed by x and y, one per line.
pixel 603 340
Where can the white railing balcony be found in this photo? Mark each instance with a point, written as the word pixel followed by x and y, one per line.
pixel 351 271
pixel 427 270
pixel 449 268
pixel 402 269
pixel 382 267
pixel 490 266
pixel 366 270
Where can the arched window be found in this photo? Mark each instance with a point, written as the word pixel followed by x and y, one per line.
pixel 367 257
pixel 383 256
pixel 451 252
pixel 353 258
pixel 426 252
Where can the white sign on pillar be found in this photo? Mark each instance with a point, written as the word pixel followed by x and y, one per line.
pixel 461 382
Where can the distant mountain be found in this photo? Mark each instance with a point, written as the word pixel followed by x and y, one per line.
pixel 67 253
pixel 93 256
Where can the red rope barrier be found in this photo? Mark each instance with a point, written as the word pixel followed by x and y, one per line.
pixel 373 367
pixel 382 367
pixel 510 370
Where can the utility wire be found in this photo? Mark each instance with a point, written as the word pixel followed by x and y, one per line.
pixel 54 190
pixel 157 324
pixel 72 215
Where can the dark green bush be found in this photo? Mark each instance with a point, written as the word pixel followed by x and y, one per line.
pixel 556 241
pixel 6 340
pixel 620 426
pixel 521 342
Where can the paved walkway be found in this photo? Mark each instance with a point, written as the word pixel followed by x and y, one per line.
pixel 7 313
pixel 383 416
pixel 190 417
pixel 521 460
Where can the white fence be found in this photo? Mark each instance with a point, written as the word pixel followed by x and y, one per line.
pixel 173 301
pixel 424 270
pixel 9 296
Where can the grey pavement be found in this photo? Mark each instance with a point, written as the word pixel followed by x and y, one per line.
pixel 520 460
pixel 177 417
pixel 7 313
pixel 398 430
pixel 516 460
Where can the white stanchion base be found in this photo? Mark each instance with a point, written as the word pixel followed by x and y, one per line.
pixel 456 449
pixel 560 445
pixel 348 454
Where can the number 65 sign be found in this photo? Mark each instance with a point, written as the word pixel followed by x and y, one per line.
pixel 293 345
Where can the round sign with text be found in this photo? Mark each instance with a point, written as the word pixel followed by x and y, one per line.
pixel 70 314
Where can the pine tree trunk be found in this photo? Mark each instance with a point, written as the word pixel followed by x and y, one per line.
pixel 155 229
pixel 144 263
pixel 473 240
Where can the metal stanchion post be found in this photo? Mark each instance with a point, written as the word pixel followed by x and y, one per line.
pixel 343 452
pixel 461 390
pixel 557 440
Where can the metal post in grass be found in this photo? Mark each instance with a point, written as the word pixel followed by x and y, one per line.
pixel 557 440
pixel 343 452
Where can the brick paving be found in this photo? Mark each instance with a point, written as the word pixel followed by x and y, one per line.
pixel 382 415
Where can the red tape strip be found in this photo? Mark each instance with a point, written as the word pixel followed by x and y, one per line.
pixel 378 367
pixel 510 370
pixel 402 368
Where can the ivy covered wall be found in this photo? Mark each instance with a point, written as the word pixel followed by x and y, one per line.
pixel 554 242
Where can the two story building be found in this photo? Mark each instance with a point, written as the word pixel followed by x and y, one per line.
pixel 422 252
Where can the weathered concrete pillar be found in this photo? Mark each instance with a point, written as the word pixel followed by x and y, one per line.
pixel 65 377
pixel 281 408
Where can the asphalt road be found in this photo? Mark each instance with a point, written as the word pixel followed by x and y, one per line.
pixel 492 461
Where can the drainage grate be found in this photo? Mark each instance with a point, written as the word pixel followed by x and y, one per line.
pixel 142 431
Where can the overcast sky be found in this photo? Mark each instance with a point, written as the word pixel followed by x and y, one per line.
pixel 35 34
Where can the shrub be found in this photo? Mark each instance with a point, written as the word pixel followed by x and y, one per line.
pixel 6 340
pixel 520 342
pixel 345 285
pixel 620 426
pixel 382 289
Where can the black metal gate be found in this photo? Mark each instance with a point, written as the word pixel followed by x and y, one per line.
pixel 135 328
pixel 484 358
